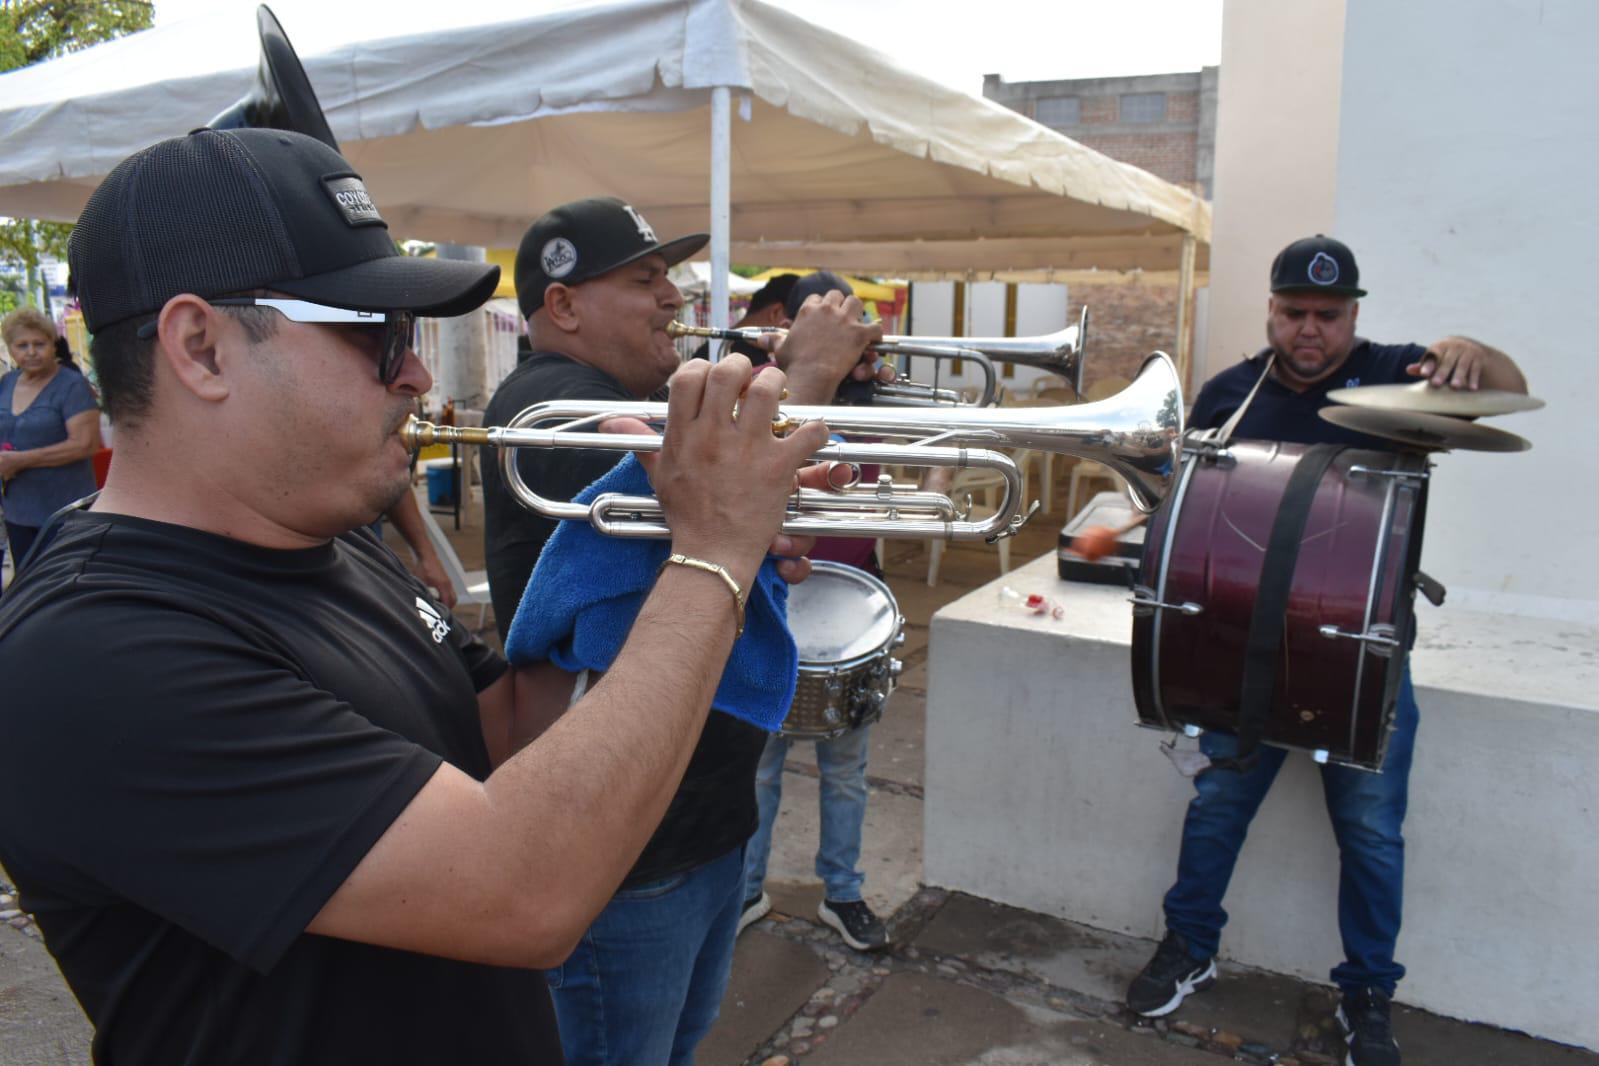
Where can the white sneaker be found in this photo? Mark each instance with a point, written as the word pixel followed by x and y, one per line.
pixel 754 910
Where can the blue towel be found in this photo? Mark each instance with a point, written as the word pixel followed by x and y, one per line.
pixel 587 588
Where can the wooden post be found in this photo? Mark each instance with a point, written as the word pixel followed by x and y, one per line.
pixel 1185 308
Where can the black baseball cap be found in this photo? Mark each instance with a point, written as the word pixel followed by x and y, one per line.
pixel 227 211
pixel 584 239
pixel 1316 264
pixel 819 283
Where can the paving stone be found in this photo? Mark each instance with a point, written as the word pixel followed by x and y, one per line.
pixel 41 1023
pixel 773 977
pixel 1429 1040
pixel 918 1020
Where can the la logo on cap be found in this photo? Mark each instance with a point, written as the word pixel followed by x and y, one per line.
pixel 644 229
pixel 1323 269
pixel 558 258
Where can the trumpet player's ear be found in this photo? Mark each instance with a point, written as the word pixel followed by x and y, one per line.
pixel 560 309
pixel 188 341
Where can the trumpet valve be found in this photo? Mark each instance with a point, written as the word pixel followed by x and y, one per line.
pixel 843 475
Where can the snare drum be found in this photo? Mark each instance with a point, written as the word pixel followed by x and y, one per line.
pixel 846 625
pixel 1348 622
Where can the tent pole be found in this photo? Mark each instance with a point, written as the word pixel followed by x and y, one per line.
pixel 721 202
pixel 1185 308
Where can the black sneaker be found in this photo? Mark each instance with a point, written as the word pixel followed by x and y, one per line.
pixel 754 910
pixel 1364 1016
pixel 855 922
pixel 1168 979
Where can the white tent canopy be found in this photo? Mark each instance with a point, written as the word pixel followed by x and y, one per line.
pixel 465 132
pixel 693 279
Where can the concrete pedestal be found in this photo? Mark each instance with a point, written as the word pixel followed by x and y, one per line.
pixel 1042 793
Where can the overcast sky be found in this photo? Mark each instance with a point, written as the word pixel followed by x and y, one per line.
pixel 953 41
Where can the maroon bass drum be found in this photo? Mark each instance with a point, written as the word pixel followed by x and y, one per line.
pixel 1349 596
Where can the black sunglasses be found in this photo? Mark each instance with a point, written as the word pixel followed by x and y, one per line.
pixel 399 327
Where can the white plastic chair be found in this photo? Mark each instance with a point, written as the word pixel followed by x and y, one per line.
pixel 471 586
pixel 972 482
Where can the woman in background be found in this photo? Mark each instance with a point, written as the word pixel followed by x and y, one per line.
pixel 49 430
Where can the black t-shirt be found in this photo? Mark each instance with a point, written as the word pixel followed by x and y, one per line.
pixel 513 536
pixel 713 810
pixel 202 740
pixel 1280 413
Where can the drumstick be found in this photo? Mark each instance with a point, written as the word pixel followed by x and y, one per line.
pixel 1096 542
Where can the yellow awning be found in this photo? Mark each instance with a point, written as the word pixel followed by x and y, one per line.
pixel 506 259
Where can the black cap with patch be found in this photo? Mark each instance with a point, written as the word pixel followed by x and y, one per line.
pixel 1316 264
pixel 227 211
pixel 584 239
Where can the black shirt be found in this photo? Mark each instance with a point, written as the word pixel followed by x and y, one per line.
pixel 1280 413
pixel 513 536
pixel 713 810
pixel 202 739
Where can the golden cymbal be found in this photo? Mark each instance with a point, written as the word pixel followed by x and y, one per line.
pixel 1423 430
pixel 1420 396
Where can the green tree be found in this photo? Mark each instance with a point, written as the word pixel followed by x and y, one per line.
pixel 32 31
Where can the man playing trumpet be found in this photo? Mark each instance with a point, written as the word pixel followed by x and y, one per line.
pixel 646 980
pixel 277 818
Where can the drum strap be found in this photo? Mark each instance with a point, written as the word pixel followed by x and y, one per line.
pixel 1225 434
pixel 1264 648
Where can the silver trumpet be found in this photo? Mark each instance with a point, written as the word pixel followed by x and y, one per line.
pixel 1136 433
pixel 881 393
pixel 1060 353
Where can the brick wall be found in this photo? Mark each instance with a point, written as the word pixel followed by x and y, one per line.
pixel 1166 155
pixel 1182 107
pixel 1098 110
pixel 1180 148
pixel 1125 324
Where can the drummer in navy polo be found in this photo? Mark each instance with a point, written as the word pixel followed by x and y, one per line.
pixel 1311 349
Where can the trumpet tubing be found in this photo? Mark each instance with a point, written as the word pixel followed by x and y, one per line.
pixel 883 394
pixel 1060 352
pixel 1137 434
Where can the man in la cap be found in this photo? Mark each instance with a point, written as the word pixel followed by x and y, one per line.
pixel 273 817
pixel 646 980
pixel 1311 349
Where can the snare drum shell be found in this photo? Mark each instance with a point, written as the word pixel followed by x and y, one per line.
pixel 1355 570
pixel 846 624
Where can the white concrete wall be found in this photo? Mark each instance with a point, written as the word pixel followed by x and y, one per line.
pixel 1042 793
pixel 1465 186
pixel 1276 157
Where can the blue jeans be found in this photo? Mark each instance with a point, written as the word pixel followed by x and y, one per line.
pixel 1367 811
pixel 646 981
pixel 842 762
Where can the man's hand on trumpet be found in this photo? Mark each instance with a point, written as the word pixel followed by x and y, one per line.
pixel 723 478
pixel 826 345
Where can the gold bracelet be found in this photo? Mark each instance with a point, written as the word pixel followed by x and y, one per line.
pixel 676 559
